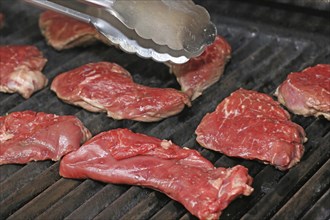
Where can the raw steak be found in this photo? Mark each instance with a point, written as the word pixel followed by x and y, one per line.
pixel 203 71
pixel 62 32
pixel 30 136
pixel 108 87
pixel 20 68
pixel 308 92
pixel 123 157
pixel 252 125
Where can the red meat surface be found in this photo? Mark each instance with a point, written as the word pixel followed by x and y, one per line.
pixel 31 136
pixel 123 157
pixel 108 87
pixel 201 72
pixel 20 68
pixel 307 93
pixel 62 32
pixel 252 125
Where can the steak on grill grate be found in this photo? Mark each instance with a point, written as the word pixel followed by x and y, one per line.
pixel 62 32
pixel 104 86
pixel 307 93
pixel 30 136
pixel 201 72
pixel 20 68
pixel 123 157
pixel 252 125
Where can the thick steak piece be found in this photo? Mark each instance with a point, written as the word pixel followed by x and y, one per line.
pixel 62 32
pixel 20 68
pixel 107 87
pixel 31 136
pixel 201 72
pixel 252 125
pixel 123 157
pixel 307 92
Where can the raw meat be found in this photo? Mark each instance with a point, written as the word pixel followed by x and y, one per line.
pixel 30 136
pixel 252 125
pixel 307 93
pixel 20 68
pixel 123 157
pixel 62 32
pixel 108 87
pixel 203 71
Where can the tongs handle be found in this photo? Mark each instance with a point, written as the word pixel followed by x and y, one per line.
pixel 61 9
pixel 125 25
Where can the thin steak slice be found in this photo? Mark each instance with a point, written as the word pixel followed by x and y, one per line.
pixel 203 71
pixel 123 157
pixel 252 125
pixel 20 68
pixel 107 87
pixel 307 93
pixel 30 136
pixel 62 32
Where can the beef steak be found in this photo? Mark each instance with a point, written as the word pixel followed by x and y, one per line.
pixel 252 125
pixel 30 136
pixel 63 32
pixel 201 72
pixel 104 86
pixel 307 92
pixel 123 157
pixel 20 67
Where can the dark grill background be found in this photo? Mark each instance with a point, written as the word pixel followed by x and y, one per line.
pixel 268 41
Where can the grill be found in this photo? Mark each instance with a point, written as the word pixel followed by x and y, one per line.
pixel 269 40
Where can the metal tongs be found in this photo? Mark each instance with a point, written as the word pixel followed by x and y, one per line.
pixel 164 30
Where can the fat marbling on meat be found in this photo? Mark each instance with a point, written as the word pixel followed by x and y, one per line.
pixel 107 87
pixel 123 157
pixel 201 72
pixel 20 69
pixel 31 136
pixel 63 32
pixel 307 92
pixel 251 125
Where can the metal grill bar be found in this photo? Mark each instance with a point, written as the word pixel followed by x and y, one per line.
pixel 72 200
pixel 39 204
pixel 19 197
pixel 124 203
pixel 291 181
pixel 318 211
pixel 311 191
pixel 98 202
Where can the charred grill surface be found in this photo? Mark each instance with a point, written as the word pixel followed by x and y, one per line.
pixel 268 43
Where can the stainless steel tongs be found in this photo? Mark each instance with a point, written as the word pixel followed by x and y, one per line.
pixel 164 30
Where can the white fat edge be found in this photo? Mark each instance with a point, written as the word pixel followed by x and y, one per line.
pixel 225 108
pixel 22 76
pixel 273 158
pixel 89 78
pixel 4 137
pixel 93 103
pixel 166 144
pixel 216 183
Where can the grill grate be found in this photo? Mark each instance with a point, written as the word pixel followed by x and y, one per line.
pixel 263 54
